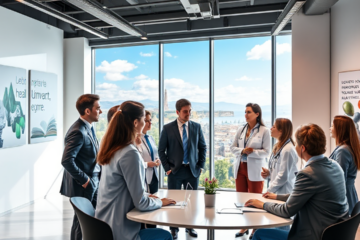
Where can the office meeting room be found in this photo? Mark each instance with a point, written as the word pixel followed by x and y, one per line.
pixel 179 119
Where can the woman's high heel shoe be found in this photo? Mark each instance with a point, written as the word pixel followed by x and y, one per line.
pixel 239 234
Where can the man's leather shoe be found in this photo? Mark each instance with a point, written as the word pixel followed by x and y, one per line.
pixel 174 233
pixel 191 232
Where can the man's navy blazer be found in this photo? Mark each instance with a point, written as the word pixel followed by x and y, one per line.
pixel 79 160
pixel 171 150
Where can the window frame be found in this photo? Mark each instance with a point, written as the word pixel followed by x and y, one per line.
pixel 211 85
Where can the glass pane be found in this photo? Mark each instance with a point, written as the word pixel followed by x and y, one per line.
pixel 242 75
pixel 186 74
pixel 283 77
pixel 128 73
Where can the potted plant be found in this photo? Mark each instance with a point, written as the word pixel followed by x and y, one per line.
pixel 210 191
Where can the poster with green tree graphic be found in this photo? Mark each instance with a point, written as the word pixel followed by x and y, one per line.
pixel 43 106
pixel 13 106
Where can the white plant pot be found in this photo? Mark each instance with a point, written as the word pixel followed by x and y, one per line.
pixel 209 200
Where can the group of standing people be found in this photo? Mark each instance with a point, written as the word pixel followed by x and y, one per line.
pixel 126 161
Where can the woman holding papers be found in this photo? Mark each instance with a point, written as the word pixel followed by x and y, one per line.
pixel 319 195
pixel 251 147
pixel 347 154
pixel 121 187
pixel 282 163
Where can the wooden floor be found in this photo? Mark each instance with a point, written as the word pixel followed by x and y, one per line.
pixel 51 219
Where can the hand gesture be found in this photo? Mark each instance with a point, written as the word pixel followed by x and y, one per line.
pixel 168 172
pixel 167 201
pixel 269 195
pixel 254 203
pixel 247 151
pixel 158 162
pixel 265 173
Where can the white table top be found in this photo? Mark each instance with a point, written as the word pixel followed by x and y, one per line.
pixel 195 215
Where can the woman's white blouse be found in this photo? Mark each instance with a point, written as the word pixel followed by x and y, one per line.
pixel 283 170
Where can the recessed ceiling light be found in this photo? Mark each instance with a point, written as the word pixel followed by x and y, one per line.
pixel 144 38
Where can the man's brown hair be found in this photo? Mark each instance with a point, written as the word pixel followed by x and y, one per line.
pixel 312 137
pixel 111 112
pixel 182 103
pixel 86 101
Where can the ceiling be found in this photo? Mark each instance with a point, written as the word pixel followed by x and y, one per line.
pixel 162 19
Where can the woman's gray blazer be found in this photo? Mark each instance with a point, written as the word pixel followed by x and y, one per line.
pixel 318 200
pixel 121 189
pixel 343 155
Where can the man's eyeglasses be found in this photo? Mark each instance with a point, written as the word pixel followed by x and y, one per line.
pixel 148 120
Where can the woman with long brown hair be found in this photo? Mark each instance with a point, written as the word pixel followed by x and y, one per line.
pixel 282 162
pixel 347 154
pixel 121 188
pixel 251 147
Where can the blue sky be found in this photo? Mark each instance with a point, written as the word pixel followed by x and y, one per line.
pixel 242 71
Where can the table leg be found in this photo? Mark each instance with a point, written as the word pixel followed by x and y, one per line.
pixel 210 234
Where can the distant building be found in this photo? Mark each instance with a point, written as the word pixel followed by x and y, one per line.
pixel 166 105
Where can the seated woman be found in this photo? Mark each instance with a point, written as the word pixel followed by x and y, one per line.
pixel 319 195
pixel 282 162
pixel 347 154
pixel 121 188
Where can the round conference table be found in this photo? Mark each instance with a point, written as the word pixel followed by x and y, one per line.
pixel 196 215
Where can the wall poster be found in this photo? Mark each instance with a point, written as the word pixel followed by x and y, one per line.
pixel 13 106
pixel 43 106
pixel 349 95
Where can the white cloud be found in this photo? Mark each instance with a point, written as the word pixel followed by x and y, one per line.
pixel 147 54
pixel 141 76
pixel 178 88
pixel 283 48
pixel 246 78
pixel 139 62
pixel 175 56
pixel 263 51
pixel 167 54
pixel 106 86
pixel 115 69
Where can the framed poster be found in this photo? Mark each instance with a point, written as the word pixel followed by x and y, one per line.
pixel 13 106
pixel 43 106
pixel 349 95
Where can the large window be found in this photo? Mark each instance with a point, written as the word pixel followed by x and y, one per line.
pixel 128 73
pixel 283 77
pixel 242 69
pixel 186 74
pixel 242 74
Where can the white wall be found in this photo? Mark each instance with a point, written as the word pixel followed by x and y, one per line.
pixel 27 172
pixel 77 76
pixel 345 49
pixel 311 71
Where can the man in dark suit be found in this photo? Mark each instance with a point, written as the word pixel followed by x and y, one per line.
pixel 182 151
pixel 82 173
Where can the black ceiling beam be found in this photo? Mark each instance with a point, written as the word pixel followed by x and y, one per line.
pixel 182 15
pixel 202 25
pixel 166 3
pixel 225 33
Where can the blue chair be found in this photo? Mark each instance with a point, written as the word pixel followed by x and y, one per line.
pixel 91 227
pixel 345 230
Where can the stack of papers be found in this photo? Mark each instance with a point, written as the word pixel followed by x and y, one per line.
pixel 239 210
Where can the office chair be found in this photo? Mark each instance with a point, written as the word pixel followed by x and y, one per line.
pixel 91 227
pixel 345 230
